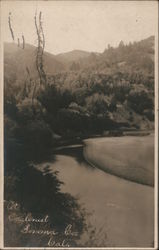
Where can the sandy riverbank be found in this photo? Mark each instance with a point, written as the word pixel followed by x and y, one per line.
pixel 129 157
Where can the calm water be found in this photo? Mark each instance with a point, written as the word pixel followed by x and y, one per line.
pixel 121 211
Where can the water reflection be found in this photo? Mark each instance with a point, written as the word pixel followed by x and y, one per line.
pixel 37 195
pixel 74 151
pixel 121 212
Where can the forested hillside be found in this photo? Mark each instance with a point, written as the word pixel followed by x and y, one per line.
pixel 90 93
pixel 83 95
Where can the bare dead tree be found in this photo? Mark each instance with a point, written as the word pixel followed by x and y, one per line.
pixel 23 44
pixel 39 53
pixel 40 49
pixel 32 84
pixel 42 32
pixel 30 79
pixel 12 33
pixel 18 42
pixel 10 26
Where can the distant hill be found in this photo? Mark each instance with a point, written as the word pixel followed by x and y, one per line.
pixel 74 59
pixel 16 60
pixel 72 56
pixel 137 56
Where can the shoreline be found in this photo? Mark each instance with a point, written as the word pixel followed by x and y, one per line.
pixel 121 166
pixel 110 133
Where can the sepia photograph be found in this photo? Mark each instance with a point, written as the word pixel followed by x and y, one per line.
pixel 79 88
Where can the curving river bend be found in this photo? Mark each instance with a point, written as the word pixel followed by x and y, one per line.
pixel 121 211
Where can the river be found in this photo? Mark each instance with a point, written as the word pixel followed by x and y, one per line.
pixel 120 211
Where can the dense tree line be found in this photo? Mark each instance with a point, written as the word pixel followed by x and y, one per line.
pixel 83 104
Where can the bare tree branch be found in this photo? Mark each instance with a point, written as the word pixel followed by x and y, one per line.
pixel 23 39
pixel 40 49
pixel 10 26
pixel 18 42
pixel 41 28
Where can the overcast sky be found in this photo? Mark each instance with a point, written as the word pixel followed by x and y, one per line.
pixel 84 25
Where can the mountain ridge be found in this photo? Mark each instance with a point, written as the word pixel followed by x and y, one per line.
pixel 137 56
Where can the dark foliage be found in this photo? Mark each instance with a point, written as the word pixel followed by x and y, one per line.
pixel 140 101
pixel 38 194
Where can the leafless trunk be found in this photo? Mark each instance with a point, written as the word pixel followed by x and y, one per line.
pixel 12 33
pixel 23 39
pixel 10 26
pixel 40 49
pixel 18 42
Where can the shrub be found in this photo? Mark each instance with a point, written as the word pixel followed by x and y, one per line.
pixel 139 101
